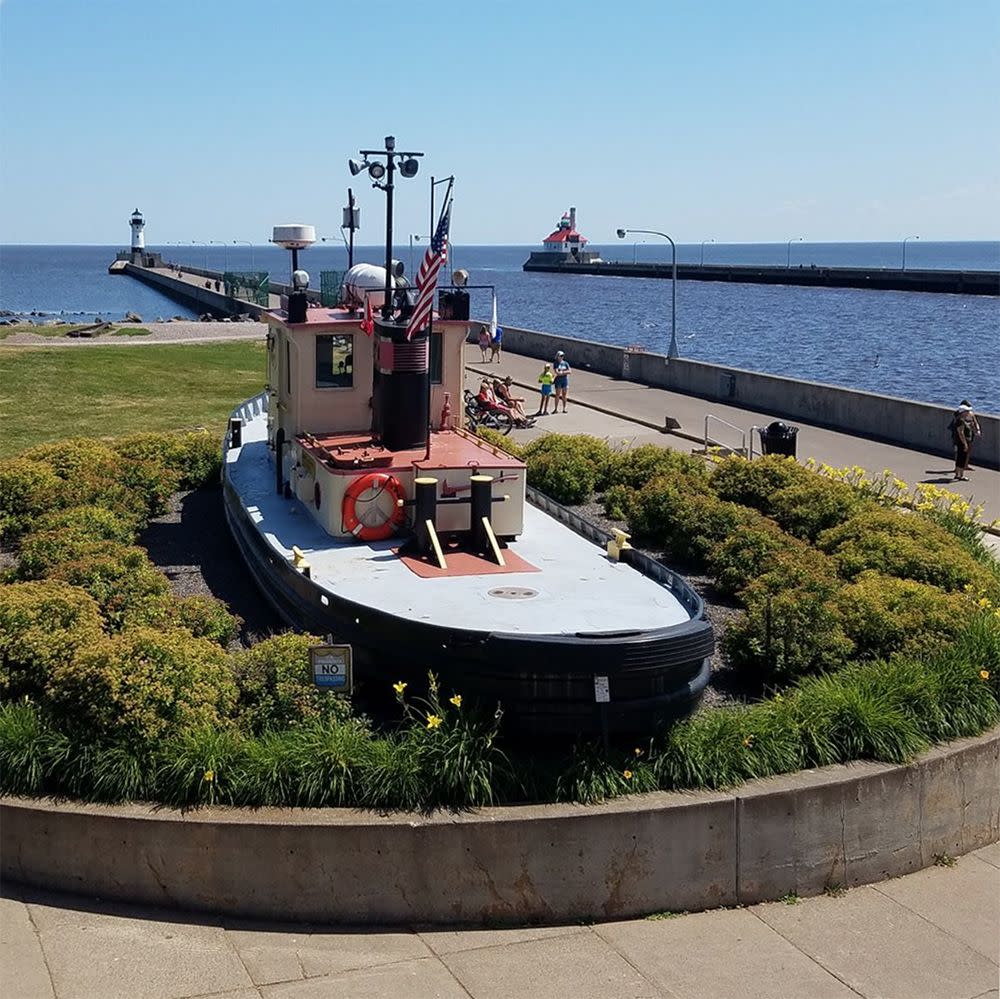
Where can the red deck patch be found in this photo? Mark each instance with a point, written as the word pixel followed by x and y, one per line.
pixel 462 563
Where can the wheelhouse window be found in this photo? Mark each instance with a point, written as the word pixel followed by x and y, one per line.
pixel 334 361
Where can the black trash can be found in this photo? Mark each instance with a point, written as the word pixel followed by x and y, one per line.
pixel 778 438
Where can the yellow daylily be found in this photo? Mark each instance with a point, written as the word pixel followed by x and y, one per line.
pixel 433 721
pixel 456 700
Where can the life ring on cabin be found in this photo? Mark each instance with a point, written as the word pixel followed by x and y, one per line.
pixel 377 520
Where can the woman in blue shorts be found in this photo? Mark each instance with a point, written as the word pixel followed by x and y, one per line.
pixel 562 379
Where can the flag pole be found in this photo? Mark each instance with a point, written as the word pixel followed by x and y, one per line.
pixel 430 318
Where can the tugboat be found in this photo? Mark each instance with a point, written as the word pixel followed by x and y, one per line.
pixel 564 246
pixel 366 512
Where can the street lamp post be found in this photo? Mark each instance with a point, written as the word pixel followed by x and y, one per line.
pixel 225 245
pixel 703 242
pixel 197 242
pixel 622 233
pixel 248 243
pixel 413 236
pixel 788 257
pixel 904 249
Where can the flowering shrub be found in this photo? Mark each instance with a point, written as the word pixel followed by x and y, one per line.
pixel 27 489
pixel 637 466
pixel 204 617
pixel 276 688
pixel 804 509
pixel 195 457
pixel 42 624
pixel 138 686
pixel 685 524
pixel 755 483
pixel 884 616
pixel 904 545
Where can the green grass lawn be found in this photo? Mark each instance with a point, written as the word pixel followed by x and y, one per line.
pixel 50 393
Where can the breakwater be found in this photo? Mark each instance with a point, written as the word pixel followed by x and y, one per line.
pixel 874 279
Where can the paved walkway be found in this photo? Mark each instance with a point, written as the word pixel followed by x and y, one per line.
pixel 931 935
pixel 620 409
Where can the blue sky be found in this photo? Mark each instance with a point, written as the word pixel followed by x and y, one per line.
pixel 739 122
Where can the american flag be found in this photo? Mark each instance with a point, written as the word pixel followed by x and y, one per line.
pixel 434 259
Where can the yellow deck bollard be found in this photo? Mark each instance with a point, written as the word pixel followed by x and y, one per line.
pixel 618 544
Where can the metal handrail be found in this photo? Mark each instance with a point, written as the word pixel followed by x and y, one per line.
pixel 742 433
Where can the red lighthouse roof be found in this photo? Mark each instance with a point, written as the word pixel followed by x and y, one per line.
pixel 565 232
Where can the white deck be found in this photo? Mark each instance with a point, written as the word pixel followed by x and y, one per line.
pixel 579 589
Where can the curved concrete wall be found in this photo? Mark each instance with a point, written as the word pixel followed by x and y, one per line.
pixel 843 825
pixel 905 422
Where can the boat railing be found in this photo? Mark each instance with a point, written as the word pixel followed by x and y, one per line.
pixel 639 560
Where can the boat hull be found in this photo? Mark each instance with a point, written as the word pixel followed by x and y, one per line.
pixel 544 682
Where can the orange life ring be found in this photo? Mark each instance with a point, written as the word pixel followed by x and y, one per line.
pixel 374 523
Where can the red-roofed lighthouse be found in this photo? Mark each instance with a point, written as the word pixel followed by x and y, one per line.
pixel 564 245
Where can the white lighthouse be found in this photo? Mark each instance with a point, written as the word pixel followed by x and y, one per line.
pixel 138 223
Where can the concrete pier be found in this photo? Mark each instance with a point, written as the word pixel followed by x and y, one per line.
pixel 868 278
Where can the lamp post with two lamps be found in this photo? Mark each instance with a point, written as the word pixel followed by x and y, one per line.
pixel 382 175
pixel 788 256
pixel 225 251
pixel 248 243
pixel 201 242
pixel 904 249
pixel 622 233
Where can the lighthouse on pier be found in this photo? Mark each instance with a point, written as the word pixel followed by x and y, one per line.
pixel 137 224
pixel 564 245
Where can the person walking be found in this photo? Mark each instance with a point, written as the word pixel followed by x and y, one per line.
pixel 964 429
pixel 561 379
pixel 496 345
pixel 545 380
pixel 484 342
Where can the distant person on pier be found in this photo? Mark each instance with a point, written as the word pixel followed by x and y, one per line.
pixel 562 379
pixel 964 429
pixel 496 344
pixel 484 342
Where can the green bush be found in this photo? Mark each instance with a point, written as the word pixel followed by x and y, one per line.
pixel 27 490
pixel 685 524
pixel 128 588
pixel 42 625
pixel 904 545
pixel 205 617
pixel 792 626
pixel 755 483
pixel 639 465
pixel 618 502
pixel 91 523
pixel 194 456
pixel 757 548
pixel 566 477
pixel 140 686
pixel 276 688
pixel 568 467
pixel 806 508
pixel 883 615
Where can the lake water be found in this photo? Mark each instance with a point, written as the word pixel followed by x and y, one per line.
pixel 937 348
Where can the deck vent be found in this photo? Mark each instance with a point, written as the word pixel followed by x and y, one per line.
pixel 513 593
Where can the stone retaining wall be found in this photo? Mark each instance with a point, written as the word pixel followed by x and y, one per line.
pixel 842 825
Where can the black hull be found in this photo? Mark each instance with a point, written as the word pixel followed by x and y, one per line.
pixel 544 682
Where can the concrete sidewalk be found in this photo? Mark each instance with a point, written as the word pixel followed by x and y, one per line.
pixel 931 935
pixel 646 410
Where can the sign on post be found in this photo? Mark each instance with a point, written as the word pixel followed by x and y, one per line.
pixel 331 667
pixel 602 690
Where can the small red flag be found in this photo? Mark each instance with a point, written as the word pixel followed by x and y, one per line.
pixel 368 323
